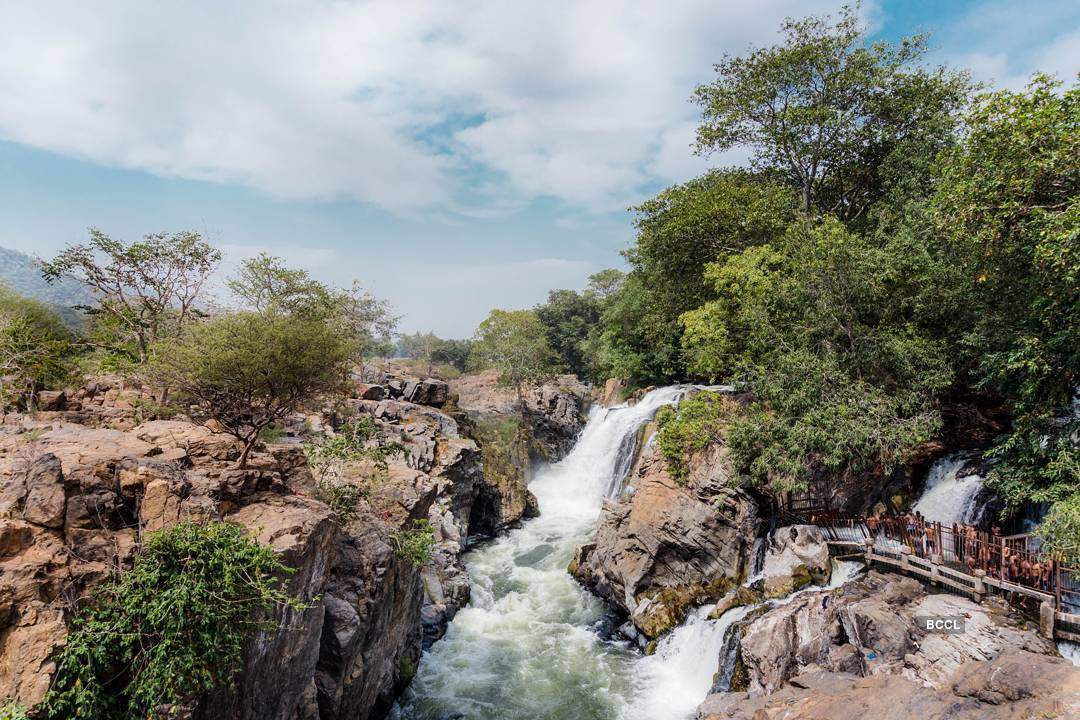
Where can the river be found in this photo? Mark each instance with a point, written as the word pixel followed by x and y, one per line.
pixel 534 645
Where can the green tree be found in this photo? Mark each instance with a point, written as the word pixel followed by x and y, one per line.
pixel 249 370
pixel 36 349
pixel 1007 213
pixel 265 284
pixel 568 318
pixel 454 353
pixel 678 233
pixel 148 289
pixel 836 118
pixel 420 347
pixel 169 629
pixel 514 343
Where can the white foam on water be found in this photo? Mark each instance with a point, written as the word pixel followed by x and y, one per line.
pixel 948 496
pixel 1070 651
pixel 526 646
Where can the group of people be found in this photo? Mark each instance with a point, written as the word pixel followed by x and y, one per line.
pixel 967 545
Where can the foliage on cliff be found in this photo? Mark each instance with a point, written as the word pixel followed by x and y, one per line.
pixel 170 628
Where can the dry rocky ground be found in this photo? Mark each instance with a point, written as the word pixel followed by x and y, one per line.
pixel 82 482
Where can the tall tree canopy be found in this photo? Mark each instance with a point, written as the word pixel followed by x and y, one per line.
pixel 514 343
pixel 836 117
pixel 147 289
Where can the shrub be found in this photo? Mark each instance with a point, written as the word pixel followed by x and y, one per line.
pixel 170 628
pixel 414 544
pixel 11 710
pixel 36 350
pixel 342 498
pixel 355 440
pixel 698 421
pixel 250 370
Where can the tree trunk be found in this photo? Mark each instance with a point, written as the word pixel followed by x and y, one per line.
pixel 249 443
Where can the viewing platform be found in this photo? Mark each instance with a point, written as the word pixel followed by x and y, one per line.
pixel 969 563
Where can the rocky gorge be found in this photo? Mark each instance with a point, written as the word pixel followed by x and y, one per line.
pixel 665 591
pixel 86 478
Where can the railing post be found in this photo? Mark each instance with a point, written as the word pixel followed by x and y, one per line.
pixel 1057 584
pixel 869 543
pixel 980 585
pixel 1046 620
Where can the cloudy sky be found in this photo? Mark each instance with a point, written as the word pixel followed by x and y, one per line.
pixel 453 156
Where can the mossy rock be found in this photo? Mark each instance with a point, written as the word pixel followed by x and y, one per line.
pixel 778 587
pixel 663 609
pixel 738 597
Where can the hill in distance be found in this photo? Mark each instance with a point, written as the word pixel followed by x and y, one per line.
pixel 22 274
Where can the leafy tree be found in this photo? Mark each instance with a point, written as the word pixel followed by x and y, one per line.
pixel 36 349
pixel 420 347
pixel 568 318
pixel 836 118
pixel 250 370
pixel 514 343
pixel 265 284
pixel 148 289
pixel 1007 211
pixel 454 353
pixel 169 629
pixel 678 233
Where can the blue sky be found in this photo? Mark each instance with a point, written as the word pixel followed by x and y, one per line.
pixel 452 156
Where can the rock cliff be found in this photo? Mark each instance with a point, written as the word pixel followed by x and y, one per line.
pixel 511 447
pixel 667 545
pixel 82 481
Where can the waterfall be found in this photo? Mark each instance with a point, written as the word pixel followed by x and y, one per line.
pixel 532 643
pixel 1070 651
pixel 529 644
pixel 950 496
pixel 676 678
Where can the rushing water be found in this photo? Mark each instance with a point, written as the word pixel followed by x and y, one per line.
pixel 532 644
pixel 950 496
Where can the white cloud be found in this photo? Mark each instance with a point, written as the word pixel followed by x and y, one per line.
pixel 468 108
pixel 1004 42
pixel 338 99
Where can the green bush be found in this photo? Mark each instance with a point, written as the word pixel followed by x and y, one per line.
pixel 170 628
pixel 36 349
pixel 271 434
pixel 699 420
pixel 414 544
pixel 342 498
pixel 11 710
pixel 356 440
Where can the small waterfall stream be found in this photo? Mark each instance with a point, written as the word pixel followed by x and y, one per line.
pixel 950 495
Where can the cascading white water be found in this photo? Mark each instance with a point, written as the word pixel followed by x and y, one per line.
pixel 1070 651
pixel 527 646
pixel 950 496
pixel 533 644
pixel 673 681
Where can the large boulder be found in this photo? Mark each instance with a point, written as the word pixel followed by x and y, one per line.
pixel 671 545
pixel 1015 685
pixel 796 557
pixel 869 627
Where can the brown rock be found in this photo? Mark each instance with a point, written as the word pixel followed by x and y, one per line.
pixel 671 546
pixel 45 502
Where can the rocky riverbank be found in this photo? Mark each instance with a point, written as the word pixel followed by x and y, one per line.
pixel 82 482
pixel 858 652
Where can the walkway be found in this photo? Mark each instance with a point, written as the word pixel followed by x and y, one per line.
pixel 967 561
